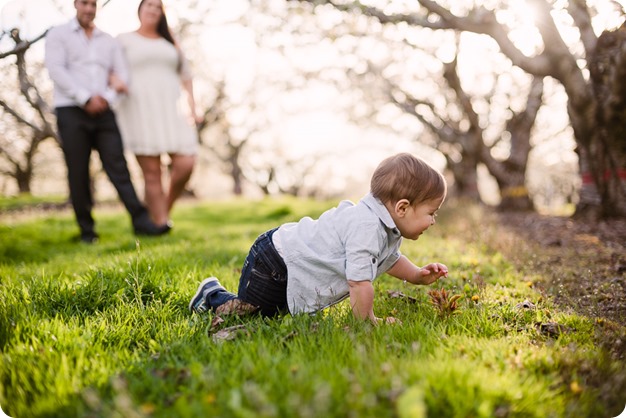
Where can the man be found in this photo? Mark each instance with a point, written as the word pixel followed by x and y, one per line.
pixel 80 58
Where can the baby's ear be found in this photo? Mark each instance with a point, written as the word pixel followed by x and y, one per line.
pixel 401 206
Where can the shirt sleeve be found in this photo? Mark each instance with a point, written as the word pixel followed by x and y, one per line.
pixel 56 60
pixel 363 246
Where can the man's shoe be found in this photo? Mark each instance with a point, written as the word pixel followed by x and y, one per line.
pixel 198 302
pixel 89 238
pixel 149 228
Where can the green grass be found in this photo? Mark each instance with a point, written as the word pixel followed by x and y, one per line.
pixel 104 330
pixel 27 201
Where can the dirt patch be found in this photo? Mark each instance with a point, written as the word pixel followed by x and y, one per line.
pixel 583 264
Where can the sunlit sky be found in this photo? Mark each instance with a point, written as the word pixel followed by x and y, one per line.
pixel 34 16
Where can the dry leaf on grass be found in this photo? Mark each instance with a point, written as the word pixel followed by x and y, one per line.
pixel 397 294
pixel 230 333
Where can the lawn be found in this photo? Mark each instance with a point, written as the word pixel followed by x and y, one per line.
pixel 104 330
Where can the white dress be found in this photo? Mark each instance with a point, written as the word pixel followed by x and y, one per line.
pixel 151 117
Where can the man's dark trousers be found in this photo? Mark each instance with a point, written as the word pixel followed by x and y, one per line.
pixel 80 133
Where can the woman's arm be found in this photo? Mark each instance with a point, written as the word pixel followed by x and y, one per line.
pixel 188 87
pixel 187 83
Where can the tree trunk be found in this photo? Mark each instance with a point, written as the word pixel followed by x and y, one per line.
pixel 514 193
pixel 23 179
pixel 235 168
pixel 510 174
pixel 602 156
pixel 237 181
pixel 465 176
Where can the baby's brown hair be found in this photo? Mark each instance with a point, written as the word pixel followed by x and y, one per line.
pixel 404 176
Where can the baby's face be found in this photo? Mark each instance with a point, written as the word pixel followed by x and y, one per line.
pixel 413 221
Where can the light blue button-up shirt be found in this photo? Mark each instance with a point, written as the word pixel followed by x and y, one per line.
pixel 80 66
pixel 350 242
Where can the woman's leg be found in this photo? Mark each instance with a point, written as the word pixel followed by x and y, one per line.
pixel 155 198
pixel 180 172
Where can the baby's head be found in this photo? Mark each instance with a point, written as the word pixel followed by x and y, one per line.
pixel 404 176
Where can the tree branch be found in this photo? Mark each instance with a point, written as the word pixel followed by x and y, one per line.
pixel 23 46
pixel 580 13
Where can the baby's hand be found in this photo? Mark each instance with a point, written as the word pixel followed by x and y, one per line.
pixel 431 272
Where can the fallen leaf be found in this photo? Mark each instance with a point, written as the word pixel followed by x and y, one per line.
pixel 229 333
pixel 399 295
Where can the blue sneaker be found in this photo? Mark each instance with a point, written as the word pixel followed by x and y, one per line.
pixel 199 303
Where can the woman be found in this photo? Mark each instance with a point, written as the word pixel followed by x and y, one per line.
pixel 150 117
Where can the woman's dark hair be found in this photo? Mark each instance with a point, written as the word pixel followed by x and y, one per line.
pixel 163 28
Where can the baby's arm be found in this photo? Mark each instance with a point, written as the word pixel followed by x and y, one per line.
pixel 404 269
pixel 362 299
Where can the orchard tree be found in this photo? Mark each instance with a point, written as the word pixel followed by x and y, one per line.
pixel 478 119
pixel 27 120
pixel 591 68
pixel 465 142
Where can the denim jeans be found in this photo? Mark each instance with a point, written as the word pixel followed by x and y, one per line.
pixel 263 280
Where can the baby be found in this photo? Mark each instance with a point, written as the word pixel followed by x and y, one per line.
pixel 308 265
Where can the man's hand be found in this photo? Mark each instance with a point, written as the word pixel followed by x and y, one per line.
pixel 96 105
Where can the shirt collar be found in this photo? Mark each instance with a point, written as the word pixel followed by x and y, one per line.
pixel 75 26
pixel 380 210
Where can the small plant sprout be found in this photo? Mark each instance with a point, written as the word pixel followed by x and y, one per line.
pixel 445 304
